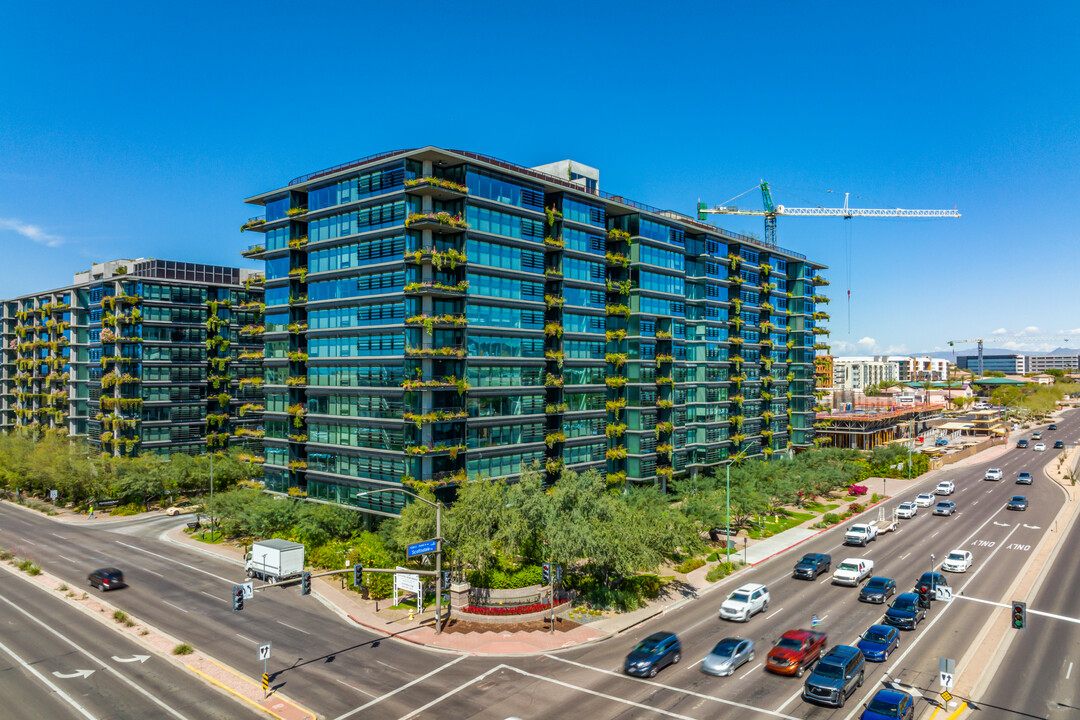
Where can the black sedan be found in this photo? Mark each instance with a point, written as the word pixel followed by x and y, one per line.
pixel 1052 427
pixel 905 613
pixel 1018 502
pixel 108 578
pixel 653 654
pixel 1059 444
pixel 877 590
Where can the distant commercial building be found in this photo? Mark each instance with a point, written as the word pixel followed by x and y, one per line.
pixel 137 356
pixel 1012 364
pixel 1042 363
pixel 859 373
pixel 435 316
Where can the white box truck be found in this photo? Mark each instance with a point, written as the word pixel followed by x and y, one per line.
pixel 275 560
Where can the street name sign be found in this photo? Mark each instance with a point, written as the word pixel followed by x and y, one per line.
pixel 421 548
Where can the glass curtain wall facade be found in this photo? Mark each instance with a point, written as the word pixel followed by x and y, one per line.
pixel 435 316
pixel 138 356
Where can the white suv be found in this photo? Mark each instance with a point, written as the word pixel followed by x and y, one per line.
pixel 945 487
pixel 748 600
pixel 993 474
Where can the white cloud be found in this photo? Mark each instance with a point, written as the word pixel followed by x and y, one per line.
pixel 1029 330
pixel 896 350
pixel 867 343
pixel 1069 332
pixel 1000 331
pixel 31 232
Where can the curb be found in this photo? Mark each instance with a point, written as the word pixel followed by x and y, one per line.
pixel 105 620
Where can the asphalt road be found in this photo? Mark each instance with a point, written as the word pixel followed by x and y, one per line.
pixel 1040 677
pixel 56 664
pixel 342 671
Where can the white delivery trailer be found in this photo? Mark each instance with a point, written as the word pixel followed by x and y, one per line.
pixel 275 560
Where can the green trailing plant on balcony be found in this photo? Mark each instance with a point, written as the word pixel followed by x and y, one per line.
pixel 445 351
pixel 788 395
pixel 665 427
pixel 618 310
pixel 662 358
pixel 553 215
pixel 553 330
pixel 554 466
pixel 820 346
pixel 616 359
pixel 617 235
pixel 766 396
pixel 441 218
pixel 615 478
pixel 554 242
pixel 554 438
pixel 294 211
pixel 615 258
pixel 790 344
pixel 215 380
pixel 250 407
pixel 738 420
pixel 439 447
pixel 553 380
pixel 252 330
pixel 819 280
pixel 664 380
pixel 665 471
pixel 420 419
pixel 820 315
pixel 616 453
pixel 553 273
pixel 736 340
pixel 665 449
pixel 300 273
pixel 297 412
pixel 296 380
pixel 737 304
pixel 253 223
pixel 664 404
pixel 614 430
pixel 734 261
pixel 437 182
pixel 247 382
pixel 614 406
pixel 820 299
pixel 766 342
pixel 615 382
pixel 553 408
pixel 614 335
pixel 558 356
pixel 663 335
pixel 297 243
pixel 553 301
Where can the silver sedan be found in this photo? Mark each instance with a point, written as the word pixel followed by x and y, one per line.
pixel 728 656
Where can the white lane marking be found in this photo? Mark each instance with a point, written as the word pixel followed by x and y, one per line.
pixel 175 606
pixel 140 567
pixel 245 637
pixel 936 534
pixel 926 631
pixel 65 557
pixel 168 559
pixel 59 536
pixel 109 668
pixel 827 578
pixel 29 542
pixel 391 667
pixel 52 686
pixel 355 688
pixel 748 672
pixel 409 685
pixel 777 611
pixel 662 686
pixel 903 556
pixel 293 628
pixel 209 595
pixel 1069 671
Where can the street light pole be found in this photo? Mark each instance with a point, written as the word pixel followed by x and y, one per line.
pixel 727 500
pixel 211 497
pixel 438 547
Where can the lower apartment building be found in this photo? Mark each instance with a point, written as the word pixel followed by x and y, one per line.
pixel 438 315
pixel 138 355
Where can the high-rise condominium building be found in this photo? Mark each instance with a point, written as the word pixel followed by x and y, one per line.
pixel 435 315
pixel 138 356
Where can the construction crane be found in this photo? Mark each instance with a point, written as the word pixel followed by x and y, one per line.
pixel 952 344
pixel 772 210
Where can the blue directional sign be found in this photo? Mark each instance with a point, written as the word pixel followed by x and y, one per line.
pixel 421 548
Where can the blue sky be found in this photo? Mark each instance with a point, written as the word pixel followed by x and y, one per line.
pixel 131 132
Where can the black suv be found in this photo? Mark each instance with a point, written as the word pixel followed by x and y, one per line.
pixel 812 565
pixel 107 579
pixel 836 676
pixel 1022 444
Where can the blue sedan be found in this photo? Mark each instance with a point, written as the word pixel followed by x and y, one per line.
pixel 889 705
pixel 878 641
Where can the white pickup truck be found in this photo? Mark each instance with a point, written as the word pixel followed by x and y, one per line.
pixel 861 534
pixel 853 571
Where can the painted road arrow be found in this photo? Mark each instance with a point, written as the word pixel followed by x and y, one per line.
pixel 77 673
pixel 136 658
pixel 1001 524
pixel 1032 527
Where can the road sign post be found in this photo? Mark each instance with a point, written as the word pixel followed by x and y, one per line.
pixel 264 655
pixel 946 672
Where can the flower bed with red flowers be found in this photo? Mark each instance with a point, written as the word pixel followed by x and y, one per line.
pixel 507 609
pixel 857 490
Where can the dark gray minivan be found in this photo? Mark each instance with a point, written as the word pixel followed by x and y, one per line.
pixel 835 677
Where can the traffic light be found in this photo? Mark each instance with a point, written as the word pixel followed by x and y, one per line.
pixel 238 598
pixel 358 574
pixel 701 211
pixel 1019 615
pixel 547 573
pixel 924 596
pixel 305 583
pixel 558 572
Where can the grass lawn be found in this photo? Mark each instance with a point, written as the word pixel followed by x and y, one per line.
pixel 821 509
pixel 215 539
pixel 769 527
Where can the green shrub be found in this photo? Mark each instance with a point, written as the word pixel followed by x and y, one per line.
pixel 855 509
pixel 713 557
pixel 129 509
pixel 6 555
pixel 28 566
pixel 183 649
pixel 63 587
pixel 507 579
pixel 875 498
pixel 646 586
pixel 120 616
pixel 830 518
pixel 619 599
pixel 689 565
pixel 719 572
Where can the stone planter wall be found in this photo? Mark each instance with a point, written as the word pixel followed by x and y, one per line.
pixel 515 596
